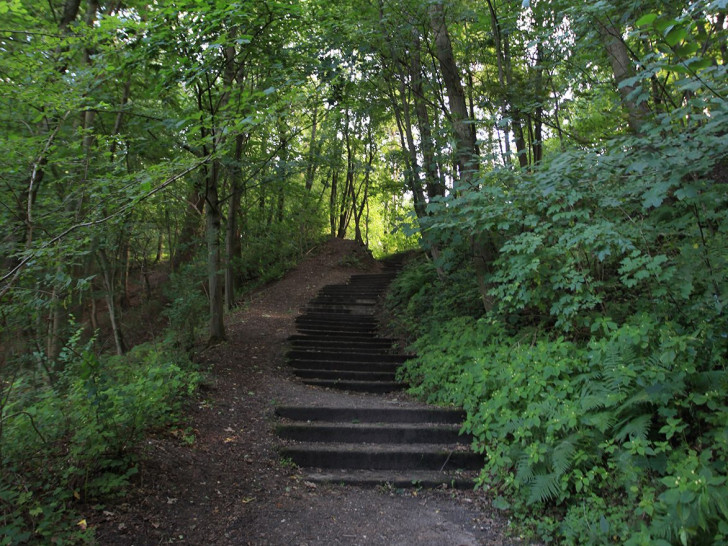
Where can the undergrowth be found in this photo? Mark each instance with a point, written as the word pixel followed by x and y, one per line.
pixel 594 377
pixel 71 443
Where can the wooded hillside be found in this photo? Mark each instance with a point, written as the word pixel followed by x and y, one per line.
pixel 562 163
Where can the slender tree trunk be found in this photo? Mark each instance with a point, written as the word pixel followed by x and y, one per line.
pixel 505 77
pixel 521 149
pixel 413 182
pixel 109 279
pixel 623 70
pixel 435 186
pixel 232 233
pixel 537 144
pixel 312 151
pixel 467 161
pixel 282 171
pixel 365 199
pixel 333 201
pixel 214 278
pixel 189 236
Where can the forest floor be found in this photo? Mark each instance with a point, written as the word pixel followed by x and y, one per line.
pixel 218 479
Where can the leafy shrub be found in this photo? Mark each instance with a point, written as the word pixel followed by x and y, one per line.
pixel 74 441
pixel 596 384
pixel 419 301
pixel 635 418
pixel 188 303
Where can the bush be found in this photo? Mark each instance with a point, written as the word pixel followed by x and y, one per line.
pixel 74 441
pixel 419 301
pixel 622 439
pixel 188 306
pixel 596 385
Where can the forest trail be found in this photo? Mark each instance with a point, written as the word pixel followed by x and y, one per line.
pixel 338 346
pixel 219 478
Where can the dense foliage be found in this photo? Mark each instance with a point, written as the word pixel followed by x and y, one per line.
pixel 594 377
pixel 562 163
pixel 82 431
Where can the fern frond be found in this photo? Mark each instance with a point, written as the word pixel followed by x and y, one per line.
pixel 633 427
pixel 602 421
pixel 562 455
pixel 524 470
pixel 544 487
pixel 594 395
pixel 639 398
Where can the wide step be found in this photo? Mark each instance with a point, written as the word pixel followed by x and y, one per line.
pixel 458 479
pixel 371 415
pixel 373 433
pixel 383 457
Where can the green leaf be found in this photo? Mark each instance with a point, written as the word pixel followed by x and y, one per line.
pixel 656 195
pixel 501 504
pixel 603 524
pixel 646 19
pixel 665 25
pixel 686 50
pixel 675 36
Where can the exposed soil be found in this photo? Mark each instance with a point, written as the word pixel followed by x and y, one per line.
pixel 219 480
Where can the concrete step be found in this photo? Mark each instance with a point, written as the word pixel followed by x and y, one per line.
pixel 378 387
pixel 344 375
pixel 368 433
pixel 343 347
pixel 342 334
pixel 343 365
pixel 355 288
pixel 337 338
pixel 340 298
pixel 352 291
pixel 339 317
pixel 353 308
pixel 384 456
pixel 337 326
pixel 346 357
pixel 385 414
pixel 398 480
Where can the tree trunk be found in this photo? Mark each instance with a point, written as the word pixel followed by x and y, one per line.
pixel 232 233
pixel 214 278
pixel 467 161
pixel 537 144
pixel 365 199
pixel 109 278
pixel 435 185
pixel 312 151
pixel 333 201
pixel 505 77
pixel 623 69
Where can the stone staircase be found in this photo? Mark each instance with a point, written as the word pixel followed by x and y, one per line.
pixel 337 347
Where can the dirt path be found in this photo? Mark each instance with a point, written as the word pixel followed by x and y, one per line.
pixel 229 487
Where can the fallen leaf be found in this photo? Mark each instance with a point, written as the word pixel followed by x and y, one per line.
pixel 82 524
